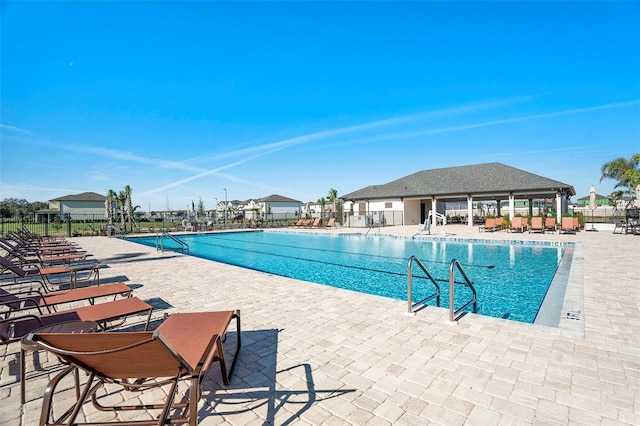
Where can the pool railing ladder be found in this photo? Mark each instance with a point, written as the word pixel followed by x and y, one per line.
pixel 456 314
pixel 160 242
pixel 116 230
pixel 422 303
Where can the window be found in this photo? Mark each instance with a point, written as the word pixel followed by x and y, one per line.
pixel 388 205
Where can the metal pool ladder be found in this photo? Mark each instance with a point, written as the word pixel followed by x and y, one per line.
pixel 184 247
pixel 455 314
pixel 424 301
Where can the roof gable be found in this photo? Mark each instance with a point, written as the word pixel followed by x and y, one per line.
pixel 274 198
pixel 85 196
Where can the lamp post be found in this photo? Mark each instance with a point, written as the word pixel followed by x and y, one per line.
pixel 215 198
pixel 225 208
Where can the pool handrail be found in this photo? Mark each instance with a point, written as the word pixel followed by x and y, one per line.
pixel 422 302
pixel 453 319
pixel 160 241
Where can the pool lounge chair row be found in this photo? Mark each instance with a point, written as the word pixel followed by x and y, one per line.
pixel 181 349
pixel 538 224
pixel 317 223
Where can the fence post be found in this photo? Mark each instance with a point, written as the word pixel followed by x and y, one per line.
pixel 67 217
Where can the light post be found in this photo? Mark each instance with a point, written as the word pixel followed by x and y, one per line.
pixel 215 198
pixel 225 208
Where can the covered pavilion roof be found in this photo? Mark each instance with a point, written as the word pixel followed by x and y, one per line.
pixel 480 181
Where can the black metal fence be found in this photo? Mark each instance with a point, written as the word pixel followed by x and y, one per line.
pixel 75 225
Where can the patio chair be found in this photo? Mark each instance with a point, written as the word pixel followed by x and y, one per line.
pixel 106 315
pixel 42 275
pixel 517 224
pixel 331 222
pixel 39 257
pixel 550 224
pixel 536 225
pixel 181 349
pixel 489 225
pixel 618 226
pixel 298 223
pixel 46 302
pixel 317 223
pixel 306 223
pixel 567 226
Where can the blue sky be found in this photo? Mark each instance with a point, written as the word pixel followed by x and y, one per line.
pixel 181 100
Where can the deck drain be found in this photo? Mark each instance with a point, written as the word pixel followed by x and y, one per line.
pixel 574 315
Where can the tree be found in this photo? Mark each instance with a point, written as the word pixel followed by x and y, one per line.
pixel 122 201
pixel 625 171
pixel 111 195
pixel 200 208
pixel 129 204
pixel 333 197
pixel 322 202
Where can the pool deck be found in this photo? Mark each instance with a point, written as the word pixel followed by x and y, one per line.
pixel 318 355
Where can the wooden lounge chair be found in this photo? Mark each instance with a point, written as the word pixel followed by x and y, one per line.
pixel 317 223
pixel 46 302
pixel 331 222
pixel 550 224
pixel 43 275
pixel 181 349
pixel 536 225
pixel 298 223
pixel 306 223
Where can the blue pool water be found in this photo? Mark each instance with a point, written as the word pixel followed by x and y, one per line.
pixel 511 280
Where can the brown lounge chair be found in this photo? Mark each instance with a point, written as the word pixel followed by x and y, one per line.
pixel 568 225
pixel 489 225
pixel 550 224
pixel 106 315
pixel 536 225
pixel 22 259
pixel 42 275
pixel 331 222
pixel 182 348
pixel 518 224
pixel 317 223
pixel 35 299
pixel 306 223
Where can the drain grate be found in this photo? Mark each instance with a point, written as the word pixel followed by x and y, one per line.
pixel 574 315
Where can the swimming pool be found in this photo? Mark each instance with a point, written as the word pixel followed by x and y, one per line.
pixel 511 279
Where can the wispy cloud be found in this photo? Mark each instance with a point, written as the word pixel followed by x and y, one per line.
pixel 9 128
pixel 269 148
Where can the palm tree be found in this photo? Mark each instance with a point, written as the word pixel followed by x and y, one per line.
pixel 626 172
pixel 111 194
pixel 322 202
pixel 122 201
pixel 127 194
pixel 333 196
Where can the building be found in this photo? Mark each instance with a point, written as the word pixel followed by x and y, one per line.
pixel 430 190
pixel 87 203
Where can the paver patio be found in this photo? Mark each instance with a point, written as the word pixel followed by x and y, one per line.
pixel 315 355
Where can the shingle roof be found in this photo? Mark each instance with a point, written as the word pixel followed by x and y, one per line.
pixel 274 198
pixel 85 196
pixel 489 179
